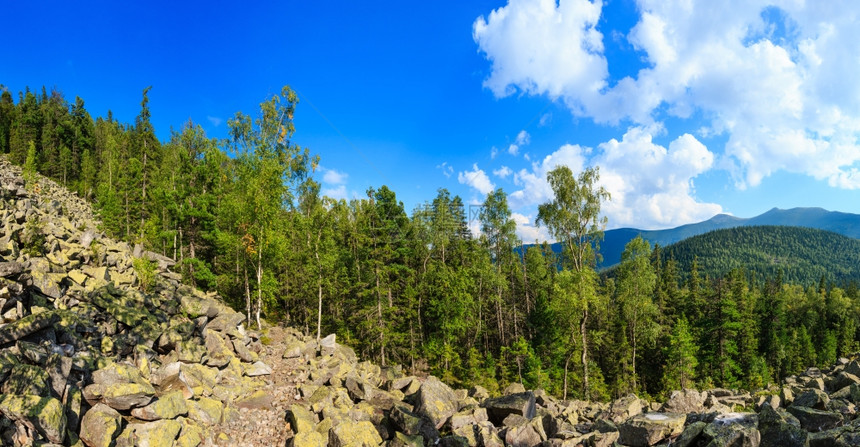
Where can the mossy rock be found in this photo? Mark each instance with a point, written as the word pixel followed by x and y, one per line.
pixel 46 414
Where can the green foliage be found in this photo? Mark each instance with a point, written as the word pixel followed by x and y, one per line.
pixel 33 239
pixel 798 255
pixel 30 166
pixel 681 351
pixel 144 268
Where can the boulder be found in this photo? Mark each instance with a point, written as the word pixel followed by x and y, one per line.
pixel 150 434
pixel 499 408
pixel 690 435
pixel 815 420
pixel 844 379
pixel 732 429
pixel 12 268
pixel 46 414
pixel 436 401
pixel 354 434
pixel 647 429
pixel 27 325
pixel 524 432
pixel 813 398
pixel 100 426
pixel 780 429
pixel 125 396
pixel 624 408
pixel 168 406
pixel 685 401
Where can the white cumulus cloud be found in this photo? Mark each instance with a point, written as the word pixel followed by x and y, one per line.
pixel 337 192
pixel 477 179
pixel 503 172
pixel 334 177
pixel 777 79
pixel 527 231
pixel 523 139
pixel 651 186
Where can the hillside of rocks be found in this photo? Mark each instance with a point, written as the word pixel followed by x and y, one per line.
pixel 97 350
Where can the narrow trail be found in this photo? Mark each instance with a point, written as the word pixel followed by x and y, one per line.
pixel 262 423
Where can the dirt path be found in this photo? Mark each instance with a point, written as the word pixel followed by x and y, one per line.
pixel 264 423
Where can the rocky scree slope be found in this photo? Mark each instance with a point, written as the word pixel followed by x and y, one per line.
pixel 89 359
pixel 343 402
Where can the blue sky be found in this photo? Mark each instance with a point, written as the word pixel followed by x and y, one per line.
pixel 690 108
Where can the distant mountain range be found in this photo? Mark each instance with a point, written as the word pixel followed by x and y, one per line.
pixel 801 255
pixel 846 224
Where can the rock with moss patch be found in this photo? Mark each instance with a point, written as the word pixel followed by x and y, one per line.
pixel 354 434
pixel 436 401
pixel 46 414
pixel 100 426
pixel 168 406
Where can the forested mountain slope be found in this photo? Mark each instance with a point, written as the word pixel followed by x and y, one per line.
pixel 846 224
pixel 800 255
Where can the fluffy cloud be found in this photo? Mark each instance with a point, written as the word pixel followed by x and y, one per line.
pixel 542 47
pixel 477 179
pixel 337 192
pixel 533 186
pixel 523 139
pixel 503 172
pixel 651 185
pixel 778 82
pixel 333 177
pixel 527 231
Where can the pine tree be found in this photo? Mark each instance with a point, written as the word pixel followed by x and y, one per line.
pixel 681 361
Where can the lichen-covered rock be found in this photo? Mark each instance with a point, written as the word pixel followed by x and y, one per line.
pixel 354 434
pixel 780 429
pixel 27 325
pixel 690 434
pixel 168 406
pixel 46 414
pixel 624 408
pixel 685 401
pixel 125 396
pixel 733 429
pixel 436 401
pixel 301 420
pixel 27 379
pixel 815 420
pixel 206 411
pixel 161 433
pixel 647 429
pixel 100 426
pixel 310 439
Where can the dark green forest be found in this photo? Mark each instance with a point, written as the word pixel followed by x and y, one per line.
pixel 801 255
pixel 244 217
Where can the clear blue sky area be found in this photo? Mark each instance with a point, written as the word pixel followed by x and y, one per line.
pixel 688 110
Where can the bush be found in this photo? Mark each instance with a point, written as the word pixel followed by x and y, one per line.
pixel 145 270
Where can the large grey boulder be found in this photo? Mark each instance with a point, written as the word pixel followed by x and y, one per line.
pixel 732 429
pixel 436 401
pixel 780 429
pixel 815 420
pixel 499 408
pixel 648 429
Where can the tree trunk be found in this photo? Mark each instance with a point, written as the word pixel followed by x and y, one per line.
pixel 247 298
pixel 582 333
